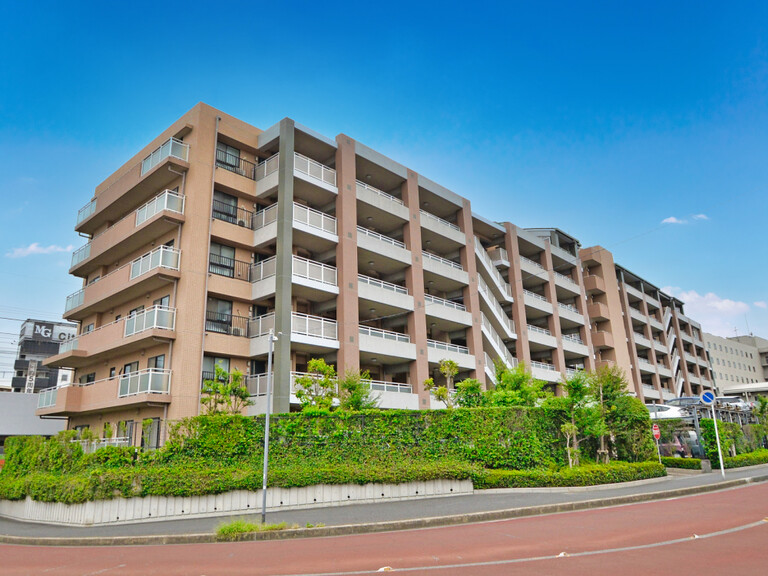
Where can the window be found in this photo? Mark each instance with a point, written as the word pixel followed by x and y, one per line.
pixel 165 301
pixel 150 434
pixel 136 311
pixel 125 430
pixel 156 362
pixel 112 372
pixel 210 363
pixel 132 367
pixel 88 328
pixel 222 260
pixel 227 156
pixel 224 207
pixel 218 317
pixel 87 378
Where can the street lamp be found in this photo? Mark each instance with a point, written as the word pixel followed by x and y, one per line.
pixel 272 340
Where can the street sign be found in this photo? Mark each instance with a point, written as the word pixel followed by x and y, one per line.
pixel 656 431
pixel 708 398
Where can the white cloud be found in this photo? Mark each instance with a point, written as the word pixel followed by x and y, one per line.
pixel 35 248
pixel 700 217
pixel 720 316
pixel 761 304
pixel 672 220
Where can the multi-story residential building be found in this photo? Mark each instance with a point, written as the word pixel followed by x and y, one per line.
pixel 218 233
pixel 643 330
pixel 734 362
pixel 38 340
pixel 759 344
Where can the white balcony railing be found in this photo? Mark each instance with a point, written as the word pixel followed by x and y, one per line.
pixel 532 328
pixel 69 345
pixel 532 262
pixel 316 326
pixel 535 296
pixel 499 254
pixel 384 334
pixel 382 284
pixel 566 279
pixel 569 307
pixel 443 302
pixel 542 365
pixel 167 200
pixel 261 325
pixel 256 384
pixel 382 386
pixel 86 211
pixel 264 269
pixel 447 346
pixel 364 186
pixel 439 220
pixel 387 239
pixel 562 252
pixel 442 260
pixel 160 257
pixel 491 268
pixel 494 304
pixel 266 167
pixel 496 339
pixel 311 270
pixel 82 253
pixel 573 338
pixel 148 381
pixel 171 147
pixel 314 169
pixel 47 398
pixel 155 317
pixel 314 218
pixel 74 300
pixel 264 217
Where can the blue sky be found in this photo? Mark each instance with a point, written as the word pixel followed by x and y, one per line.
pixel 601 118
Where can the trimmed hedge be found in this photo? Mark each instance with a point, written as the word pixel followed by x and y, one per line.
pixel 583 476
pixel 687 463
pixel 749 459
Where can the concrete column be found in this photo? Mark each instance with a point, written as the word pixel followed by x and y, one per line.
pixel 585 332
pixel 558 358
pixel 471 294
pixel 414 281
pixel 283 287
pixel 631 347
pixel 681 352
pixel 515 278
pixel 347 311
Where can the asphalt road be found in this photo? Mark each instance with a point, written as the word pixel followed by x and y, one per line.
pixel 722 532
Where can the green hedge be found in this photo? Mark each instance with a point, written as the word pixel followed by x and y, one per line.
pixel 583 476
pixel 687 463
pixel 749 459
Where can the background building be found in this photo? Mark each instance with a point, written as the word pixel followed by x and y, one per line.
pixel 734 361
pixel 38 340
pixel 761 345
pixel 218 232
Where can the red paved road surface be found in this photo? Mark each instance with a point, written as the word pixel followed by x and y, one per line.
pixel 657 538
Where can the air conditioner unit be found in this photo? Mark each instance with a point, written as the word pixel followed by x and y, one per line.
pixel 237 331
pixel 241 223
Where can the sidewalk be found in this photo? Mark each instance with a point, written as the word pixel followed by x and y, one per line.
pixel 357 518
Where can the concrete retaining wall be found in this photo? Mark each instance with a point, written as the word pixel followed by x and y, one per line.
pixel 130 510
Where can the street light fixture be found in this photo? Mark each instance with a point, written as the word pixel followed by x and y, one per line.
pixel 272 340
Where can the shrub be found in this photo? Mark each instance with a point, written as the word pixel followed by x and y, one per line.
pixel 687 463
pixel 582 476
pixel 228 531
pixel 749 459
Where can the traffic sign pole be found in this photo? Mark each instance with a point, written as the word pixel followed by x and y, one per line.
pixel 708 399
pixel 656 436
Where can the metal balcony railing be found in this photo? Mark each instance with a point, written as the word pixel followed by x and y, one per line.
pixel 533 262
pixel 226 324
pixel 439 220
pixel 234 163
pixel 311 270
pixel 267 167
pixel 532 328
pixel 535 295
pixel 314 169
pixel 381 284
pixel 443 302
pixel 171 147
pixel 86 211
pixel 232 214
pixel 316 326
pixel 542 365
pixel 47 398
pixel 569 307
pixel 382 386
pixel 384 334
pixel 314 218
pixel 447 346
pixel 364 186
pixel 74 300
pixel 436 258
pixel 261 325
pixel 82 253
pixel 492 270
pixel 387 239
pixel 229 267
pixel 565 278
pixel 265 217
pixel 154 317
pixel 148 381
pixel 161 257
pixel 573 338
pixel 264 269
pixel 167 200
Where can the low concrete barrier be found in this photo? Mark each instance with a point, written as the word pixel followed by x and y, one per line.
pixel 130 510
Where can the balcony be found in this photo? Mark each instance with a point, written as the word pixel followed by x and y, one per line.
pixel 145 387
pixel 265 226
pixel 533 268
pixel 135 186
pixel 307 277
pixel 632 291
pixel 498 284
pixel 449 275
pixel 235 164
pixel 496 341
pixel 537 302
pixel 308 333
pixel 442 227
pixel 160 215
pixel 123 336
pixel 545 371
pixel 385 294
pixel 314 170
pixel 502 320
pixel 594 284
pixel 378 205
pixel 638 315
pixel 660 347
pixel 314 229
pixel 570 315
pixel 564 254
pixel 437 351
pixel 641 341
pixel 228 267
pixel 499 257
pixel 655 323
pixel 146 273
pixel 454 315
pixel 541 337
pixel 386 345
pixel 646 366
pixel 598 311
pixel 574 344
pixel 602 339
pixel 374 244
pixel 567 283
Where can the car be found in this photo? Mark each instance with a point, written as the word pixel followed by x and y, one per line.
pixel 684 401
pixel 664 411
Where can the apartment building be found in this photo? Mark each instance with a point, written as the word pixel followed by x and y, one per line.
pixel 38 340
pixel 643 330
pixel 218 233
pixel 734 362
pixel 759 344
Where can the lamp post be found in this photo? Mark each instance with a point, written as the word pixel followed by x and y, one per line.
pixel 272 340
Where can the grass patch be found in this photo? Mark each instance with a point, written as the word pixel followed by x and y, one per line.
pixel 235 529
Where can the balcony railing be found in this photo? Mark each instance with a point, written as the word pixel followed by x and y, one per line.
pixel 314 218
pixel 565 278
pixel 226 324
pixel 314 169
pixel 535 296
pixel 148 381
pixel 311 270
pixel 232 214
pixel 316 326
pixel 74 300
pixel 264 269
pixel 542 365
pixel 496 339
pixel 443 302
pixel 266 167
pixel 499 254
pixel 82 253
pixel 384 334
pixel 257 384
pixel 264 217
pixel 171 147
pixel 387 239
pixel 532 328
pixel 532 262
pixel 447 346
pixel 86 211
pixel 161 257
pixel 47 398
pixel 261 325
pixel 69 345
pixel 442 260
pixel 229 267
pixel 234 163
pixel 562 252
pixel 439 220
pixel 573 338
pixel 389 197
pixel 381 284
pixel 491 267
pixel 167 200
pixel 381 386
pixel 569 307
pixel 154 317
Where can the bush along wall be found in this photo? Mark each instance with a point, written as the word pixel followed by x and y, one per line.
pixel 218 453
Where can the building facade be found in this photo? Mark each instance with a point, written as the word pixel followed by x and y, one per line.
pixel 734 362
pixel 761 345
pixel 38 340
pixel 218 233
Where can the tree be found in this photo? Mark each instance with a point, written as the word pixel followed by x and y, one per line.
pixel 319 387
pixel 449 369
pixel 607 386
pixel 578 414
pixel 469 393
pixel 514 387
pixel 355 392
pixel 225 393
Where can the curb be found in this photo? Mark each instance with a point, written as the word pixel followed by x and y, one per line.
pixel 373 527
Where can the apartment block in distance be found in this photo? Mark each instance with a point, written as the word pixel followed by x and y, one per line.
pixel 217 233
pixel 734 361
